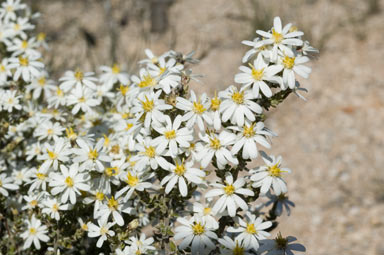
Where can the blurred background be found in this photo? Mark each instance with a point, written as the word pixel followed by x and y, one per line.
pixel 334 143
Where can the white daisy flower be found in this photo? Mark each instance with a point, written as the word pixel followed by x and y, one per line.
pixel 168 73
pixel 97 199
pixel 172 136
pixel 82 98
pixel 251 230
pixel 141 245
pixel 5 71
pixel 49 130
pixel 228 193
pixel 215 111
pixel 7 183
pixel 20 47
pixel 77 79
pixel 35 233
pixel 146 80
pixel 248 136
pixel 257 75
pixel 134 181
pixel 151 58
pixel 69 183
pixel 9 9
pixel 207 214
pixel 148 155
pixel 52 207
pixel 57 98
pixel 270 175
pixel 232 247
pixel 33 201
pixel 281 38
pixel 41 84
pixel 59 152
pixel 195 233
pixel 10 100
pixel 90 156
pixel 293 64
pixel 19 27
pixel 114 207
pixel 180 172
pixel 258 47
pixel 102 231
pixel 39 179
pixel 27 67
pixel 150 107
pixel 196 110
pixel 111 75
pixel 216 145
pixel 83 225
pixel 238 105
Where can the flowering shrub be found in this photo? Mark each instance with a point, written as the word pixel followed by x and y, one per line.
pixel 141 164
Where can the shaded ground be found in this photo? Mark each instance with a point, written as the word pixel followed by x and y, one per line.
pixel 333 143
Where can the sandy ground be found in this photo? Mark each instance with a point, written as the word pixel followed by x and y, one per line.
pixel 333 143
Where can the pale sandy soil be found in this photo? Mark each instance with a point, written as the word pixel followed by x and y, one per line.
pixel 334 143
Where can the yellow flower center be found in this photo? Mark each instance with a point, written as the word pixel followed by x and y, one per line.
pixel 81 99
pixel 129 126
pixel 215 143
pixel 162 70
pixel 275 171
pixel 92 154
pixel 251 229
pixel 17 27
pixel 207 210
pixel 198 107
pixel 198 229
pixel 229 189
pixel 100 196
pixel 79 75
pixel 180 169
pixel 69 181
pixel 249 131
pixel 277 37
pixel 70 133
pixel 10 100
pixel 170 134
pixel 288 62
pixel 32 231
pixel 9 8
pixel 113 204
pixel 132 180
pixel 147 104
pixel 40 176
pixel 41 36
pixel 238 249
pixel 150 152
pixel 2 68
pixel 33 203
pixel 257 74
pixel 84 227
pixel 41 81
pixel 123 89
pixel 148 81
pixel 238 97
pixel 52 155
pixel 103 230
pixel 23 61
pixel 112 171
pixel 115 69
pixel 59 92
pixel 215 103
pixel 24 44
pixel 1 183
pixel 55 207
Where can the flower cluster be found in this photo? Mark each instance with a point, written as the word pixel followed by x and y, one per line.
pixel 94 160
